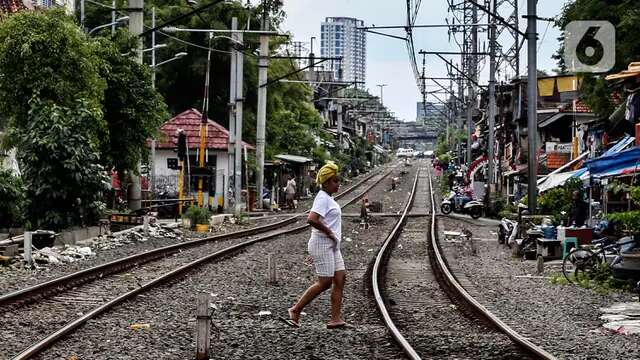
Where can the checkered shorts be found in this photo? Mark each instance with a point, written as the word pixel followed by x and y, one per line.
pixel 326 260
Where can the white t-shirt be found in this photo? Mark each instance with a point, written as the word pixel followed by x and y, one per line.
pixel 330 214
pixel 291 187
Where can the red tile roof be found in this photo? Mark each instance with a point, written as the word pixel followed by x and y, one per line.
pixel 580 107
pixel 217 136
pixel 11 6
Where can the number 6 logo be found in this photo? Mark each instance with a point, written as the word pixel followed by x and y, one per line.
pixel 590 46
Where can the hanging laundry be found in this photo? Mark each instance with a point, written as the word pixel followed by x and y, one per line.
pixel 632 112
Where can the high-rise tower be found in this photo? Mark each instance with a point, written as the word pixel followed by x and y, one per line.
pixel 340 36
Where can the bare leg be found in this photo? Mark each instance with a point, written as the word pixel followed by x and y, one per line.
pixel 336 297
pixel 311 293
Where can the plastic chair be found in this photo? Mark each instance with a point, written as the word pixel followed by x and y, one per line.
pixel 565 245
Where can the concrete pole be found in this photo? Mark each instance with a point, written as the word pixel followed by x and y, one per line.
pixel 153 48
pixel 473 59
pixel 492 97
pixel 152 162
pixel 263 65
pixel 232 118
pixel 339 126
pixel 82 15
pixel 135 28
pixel 532 104
pixel 238 145
pixel 113 18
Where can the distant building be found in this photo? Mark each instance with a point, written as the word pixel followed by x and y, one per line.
pixel 430 115
pixel 339 36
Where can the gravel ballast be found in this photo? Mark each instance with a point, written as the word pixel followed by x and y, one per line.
pixel 239 290
pixel 562 319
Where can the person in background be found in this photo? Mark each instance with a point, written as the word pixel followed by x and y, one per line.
pixel 579 210
pixel 290 192
pixel 325 217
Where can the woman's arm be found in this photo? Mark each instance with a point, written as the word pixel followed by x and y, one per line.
pixel 314 220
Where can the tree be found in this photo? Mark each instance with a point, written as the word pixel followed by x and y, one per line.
pixel 625 16
pixel 132 109
pixel 12 195
pixel 59 162
pixel 45 55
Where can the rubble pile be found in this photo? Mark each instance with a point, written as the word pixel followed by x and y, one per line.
pixel 106 242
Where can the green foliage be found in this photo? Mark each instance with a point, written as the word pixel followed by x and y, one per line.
pixel 559 199
pixel 629 219
pixel 59 163
pixel 132 109
pixel 558 279
pixel 509 211
pixel 198 215
pixel 625 17
pixel 441 146
pixel 444 182
pixel 555 201
pixel 293 124
pixel 44 54
pixel 12 195
pixel 616 187
pixel 634 192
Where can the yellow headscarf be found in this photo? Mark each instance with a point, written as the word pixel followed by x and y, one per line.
pixel 326 172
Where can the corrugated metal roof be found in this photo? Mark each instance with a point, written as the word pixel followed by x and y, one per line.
pixel 294 158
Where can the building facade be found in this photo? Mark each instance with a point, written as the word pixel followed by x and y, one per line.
pixel 340 37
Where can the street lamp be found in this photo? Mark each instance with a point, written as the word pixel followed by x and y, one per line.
pixel 153 67
pixel 119 20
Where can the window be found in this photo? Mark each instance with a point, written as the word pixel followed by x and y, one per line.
pixel 337 35
pixel 338 43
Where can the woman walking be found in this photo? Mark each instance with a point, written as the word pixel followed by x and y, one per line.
pixel 324 248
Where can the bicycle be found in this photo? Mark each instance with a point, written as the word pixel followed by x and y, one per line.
pixel 582 263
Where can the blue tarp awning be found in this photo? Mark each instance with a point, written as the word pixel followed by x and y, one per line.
pixel 624 162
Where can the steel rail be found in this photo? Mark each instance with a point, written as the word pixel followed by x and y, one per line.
pixel 76 323
pixel 60 283
pixel 461 293
pixel 376 275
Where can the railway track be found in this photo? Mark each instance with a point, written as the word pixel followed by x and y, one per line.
pixel 80 297
pixel 427 312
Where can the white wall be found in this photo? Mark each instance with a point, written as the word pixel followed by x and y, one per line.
pixel 169 177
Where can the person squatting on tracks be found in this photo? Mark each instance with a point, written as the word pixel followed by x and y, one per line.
pixel 324 249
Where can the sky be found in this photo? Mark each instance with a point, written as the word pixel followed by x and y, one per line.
pixel 387 58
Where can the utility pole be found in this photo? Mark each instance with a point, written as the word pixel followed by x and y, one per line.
pixel 532 103
pixel 492 97
pixel 339 125
pixel 232 119
pixel 238 36
pixel 204 122
pixel 381 86
pixel 153 48
pixel 113 18
pixel 82 15
pixel 473 66
pixel 136 25
pixel 263 65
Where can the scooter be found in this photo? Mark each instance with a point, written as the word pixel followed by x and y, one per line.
pixel 464 204
pixel 507 231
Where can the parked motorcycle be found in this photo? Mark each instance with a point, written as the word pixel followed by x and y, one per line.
pixel 461 203
pixel 508 231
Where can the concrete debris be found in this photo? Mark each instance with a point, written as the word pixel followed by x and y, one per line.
pixel 132 236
